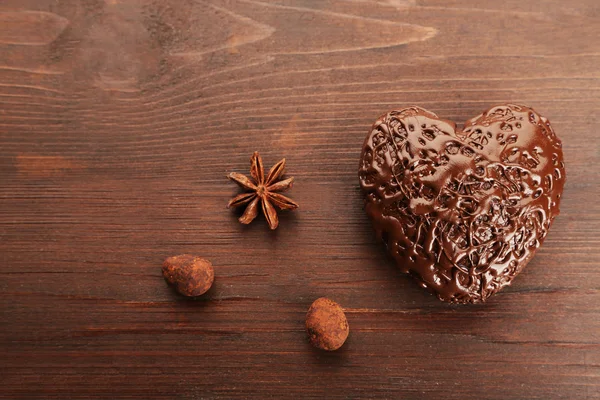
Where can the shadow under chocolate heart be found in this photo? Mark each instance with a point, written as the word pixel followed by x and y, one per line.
pixel 462 211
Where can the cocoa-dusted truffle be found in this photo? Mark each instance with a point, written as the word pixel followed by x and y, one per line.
pixel 462 211
pixel 189 275
pixel 326 324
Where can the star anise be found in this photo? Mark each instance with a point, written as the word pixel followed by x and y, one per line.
pixel 262 190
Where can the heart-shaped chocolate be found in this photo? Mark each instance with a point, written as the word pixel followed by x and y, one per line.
pixel 463 211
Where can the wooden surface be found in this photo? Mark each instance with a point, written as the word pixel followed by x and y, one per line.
pixel 119 120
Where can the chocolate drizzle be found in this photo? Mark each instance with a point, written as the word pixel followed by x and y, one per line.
pixel 462 211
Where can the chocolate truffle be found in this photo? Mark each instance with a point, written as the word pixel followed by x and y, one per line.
pixel 326 324
pixel 189 275
pixel 462 211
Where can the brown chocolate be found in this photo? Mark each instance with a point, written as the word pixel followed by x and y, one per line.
pixel 462 211
pixel 326 324
pixel 189 275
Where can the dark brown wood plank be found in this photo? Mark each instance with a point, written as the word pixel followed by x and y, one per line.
pixel 119 121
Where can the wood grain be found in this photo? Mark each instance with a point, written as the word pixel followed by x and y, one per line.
pixel 119 121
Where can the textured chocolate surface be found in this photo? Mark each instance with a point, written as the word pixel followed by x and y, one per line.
pixel 462 211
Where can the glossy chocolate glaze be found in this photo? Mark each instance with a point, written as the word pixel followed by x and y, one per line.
pixel 462 211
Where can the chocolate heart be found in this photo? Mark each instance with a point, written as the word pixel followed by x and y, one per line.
pixel 463 211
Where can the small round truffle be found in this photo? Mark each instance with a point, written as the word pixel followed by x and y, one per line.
pixel 189 275
pixel 326 324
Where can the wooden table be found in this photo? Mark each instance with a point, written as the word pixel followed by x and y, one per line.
pixel 119 120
